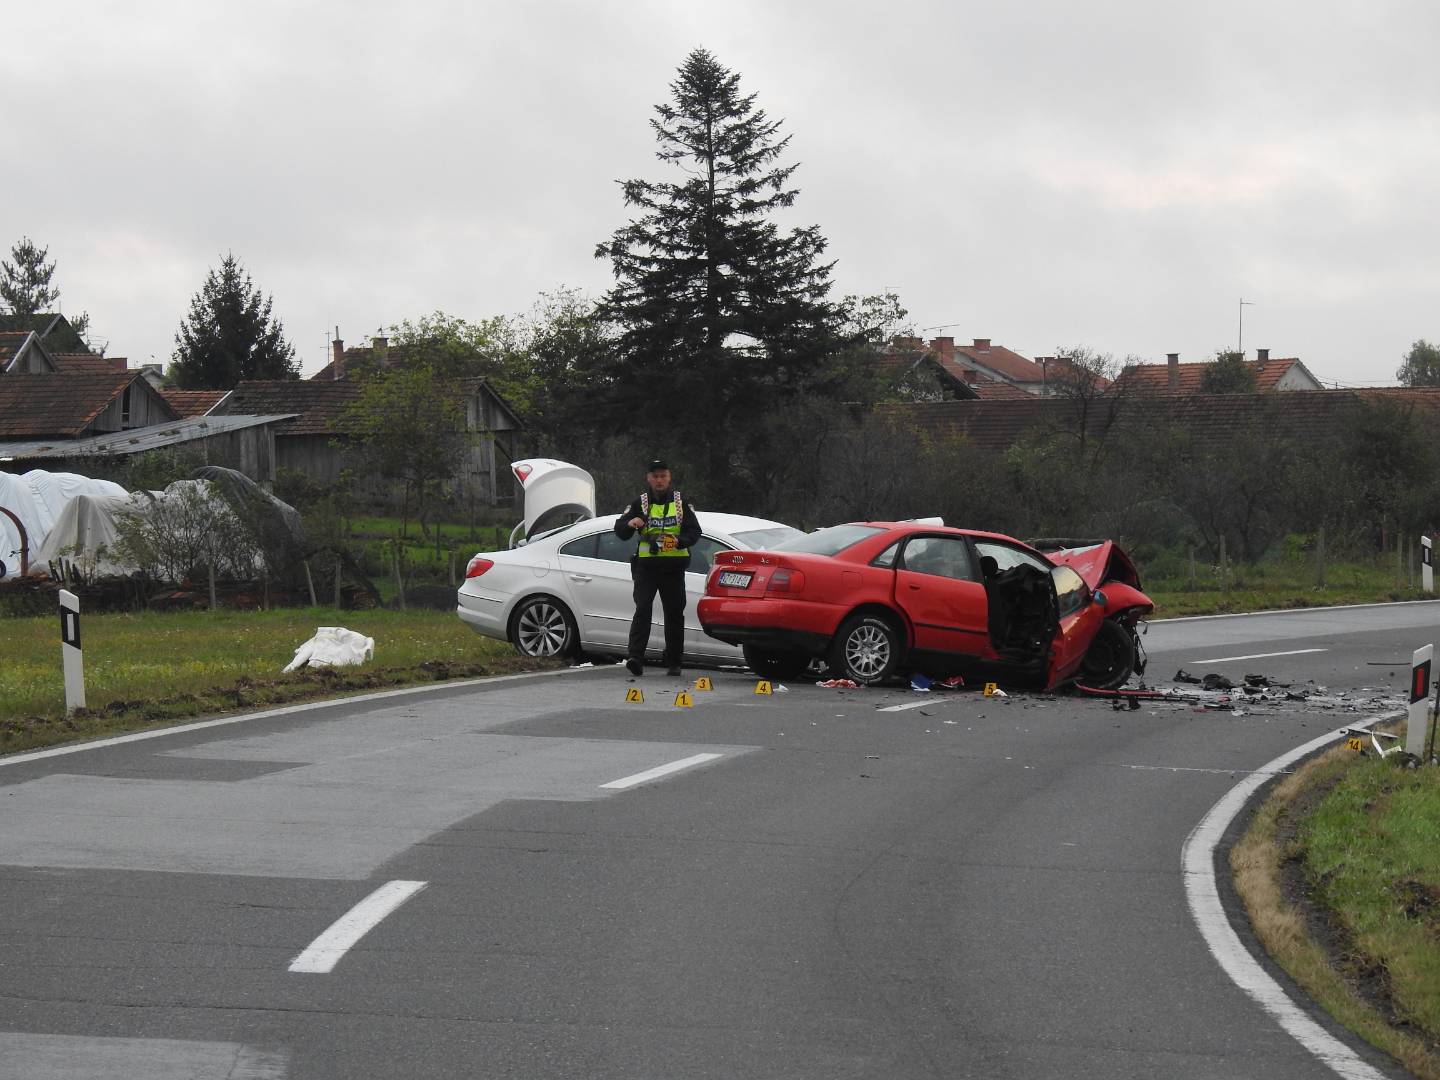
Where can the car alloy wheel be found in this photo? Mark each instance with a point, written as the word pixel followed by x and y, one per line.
pixel 867 650
pixel 543 627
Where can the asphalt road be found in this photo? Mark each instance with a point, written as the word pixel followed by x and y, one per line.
pixel 959 887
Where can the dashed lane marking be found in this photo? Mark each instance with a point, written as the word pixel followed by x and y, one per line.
pixel 326 950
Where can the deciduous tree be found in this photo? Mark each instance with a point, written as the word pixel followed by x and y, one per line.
pixel 1227 374
pixel 1421 366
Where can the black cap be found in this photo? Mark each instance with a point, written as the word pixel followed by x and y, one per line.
pixel 657 465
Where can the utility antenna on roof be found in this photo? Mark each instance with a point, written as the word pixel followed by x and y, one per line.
pixel 941 326
pixel 1240 344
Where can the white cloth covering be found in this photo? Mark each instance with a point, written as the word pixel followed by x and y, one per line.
pixel 333 646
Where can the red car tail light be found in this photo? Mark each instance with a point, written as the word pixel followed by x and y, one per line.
pixel 478 565
pixel 522 472
pixel 782 580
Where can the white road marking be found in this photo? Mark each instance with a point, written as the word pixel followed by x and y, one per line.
pixel 326 950
pixel 659 771
pixel 1197 859
pixel 1254 656
pixel 328 703
pixel 1289 611
pixel 910 705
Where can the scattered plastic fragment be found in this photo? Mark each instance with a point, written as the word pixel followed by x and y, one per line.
pixel 1216 682
pixel 777 688
pixel 921 683
pixel 841 684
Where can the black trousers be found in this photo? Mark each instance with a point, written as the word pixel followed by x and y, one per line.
pixel 669 582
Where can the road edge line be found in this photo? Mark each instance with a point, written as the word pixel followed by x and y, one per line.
pixel 265 714
pixel 1202 893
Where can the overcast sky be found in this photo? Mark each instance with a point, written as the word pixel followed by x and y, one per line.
pixel 1117 175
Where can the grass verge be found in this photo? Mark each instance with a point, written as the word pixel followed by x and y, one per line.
pixel 148 669
pixel 1340 876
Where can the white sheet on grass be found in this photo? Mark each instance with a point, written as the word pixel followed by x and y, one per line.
pixel 333 646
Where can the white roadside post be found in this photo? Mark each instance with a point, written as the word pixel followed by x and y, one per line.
pixel 1427 564
pixel 1419 702
pixel 70 651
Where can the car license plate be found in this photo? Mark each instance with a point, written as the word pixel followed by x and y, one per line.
pixel 735 579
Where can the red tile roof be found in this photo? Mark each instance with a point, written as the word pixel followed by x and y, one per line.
pixel 990 390
pixel 1155 378
pixel 10 342
pixel 192 402
pixel 1009 365
pixel 87 363
pixel 56 406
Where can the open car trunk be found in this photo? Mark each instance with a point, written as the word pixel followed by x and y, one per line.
pixel 555 493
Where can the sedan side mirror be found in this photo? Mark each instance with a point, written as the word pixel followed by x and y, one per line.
pixel 1099 598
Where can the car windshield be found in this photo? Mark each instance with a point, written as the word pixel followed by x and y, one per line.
pixel 760 539
pixel 829 541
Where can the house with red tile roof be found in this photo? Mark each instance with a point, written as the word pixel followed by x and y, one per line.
pixel 23 353
pixel 980 370
pixel 1174 377
pixel 45 406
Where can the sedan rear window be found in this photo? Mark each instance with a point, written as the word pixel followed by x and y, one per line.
pixel 829 541
pixel 762 539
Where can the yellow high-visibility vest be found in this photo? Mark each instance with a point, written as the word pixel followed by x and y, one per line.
pixel 662 520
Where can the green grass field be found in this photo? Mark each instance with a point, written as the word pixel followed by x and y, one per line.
pixel 1372 860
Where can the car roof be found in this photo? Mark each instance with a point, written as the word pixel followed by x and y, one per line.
pixel 713 521
pixel 916 526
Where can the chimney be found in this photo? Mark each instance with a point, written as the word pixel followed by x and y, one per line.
pixel 337 364
pixel 1262 356
pixel 379 347
pixel 1172 363
pixel 907 343
pixel 982 344
pixel 944 347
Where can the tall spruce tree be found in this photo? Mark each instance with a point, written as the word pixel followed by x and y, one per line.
pixel 721 314
pixel 230 335
pixel 25 284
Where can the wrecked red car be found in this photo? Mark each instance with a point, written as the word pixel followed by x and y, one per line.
pixel 876 599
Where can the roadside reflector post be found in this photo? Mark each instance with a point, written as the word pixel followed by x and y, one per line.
pixel 1418 721
pixel 1427 564
pixel 70 651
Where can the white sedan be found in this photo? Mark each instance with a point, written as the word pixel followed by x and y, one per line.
pixel 569 591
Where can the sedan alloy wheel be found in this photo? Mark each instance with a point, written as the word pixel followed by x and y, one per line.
pixel 543 627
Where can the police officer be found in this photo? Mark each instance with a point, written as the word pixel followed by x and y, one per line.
pixel 667 526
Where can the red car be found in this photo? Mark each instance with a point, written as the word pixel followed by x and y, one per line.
pixel 880 598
